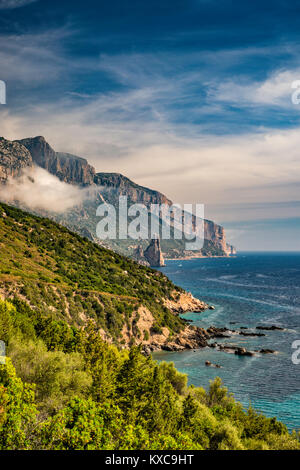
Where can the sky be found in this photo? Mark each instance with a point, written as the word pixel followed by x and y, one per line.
pixel 189 97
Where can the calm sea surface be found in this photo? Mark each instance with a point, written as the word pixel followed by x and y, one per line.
pixel 250 289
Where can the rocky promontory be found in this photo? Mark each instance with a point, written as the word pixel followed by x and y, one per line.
pixel 192 337
pixel 185 302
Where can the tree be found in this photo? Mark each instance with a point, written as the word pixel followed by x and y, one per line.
pixel 81 425
pixel 17 410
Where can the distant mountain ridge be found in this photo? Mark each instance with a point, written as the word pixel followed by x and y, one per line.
pixel 77 171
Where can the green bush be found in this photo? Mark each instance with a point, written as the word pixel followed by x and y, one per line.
pixel 17 410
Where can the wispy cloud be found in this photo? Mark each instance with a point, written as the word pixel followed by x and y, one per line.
pixel 187 167
pixel 28 60
pixel 276 90
pixel 158 122
pixel 11 4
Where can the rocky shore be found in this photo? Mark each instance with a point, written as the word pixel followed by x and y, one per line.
pixel 240 351
pixel 194 337
pixel 185 302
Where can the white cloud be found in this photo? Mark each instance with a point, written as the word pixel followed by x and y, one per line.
pixel 274 91
pixel 38 189
pixel 188 168
pixel 137 131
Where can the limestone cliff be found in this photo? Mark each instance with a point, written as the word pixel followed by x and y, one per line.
pixel 153 253
pixel 121 185
pixel 66 167
pixel 14 157
pixel 216 234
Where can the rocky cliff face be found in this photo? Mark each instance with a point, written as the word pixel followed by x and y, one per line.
pixel 66 167
pixel 124 186
pixel 153 253
pixel 14 157
pixel 17 155
pixel 216 234
pixel 117 184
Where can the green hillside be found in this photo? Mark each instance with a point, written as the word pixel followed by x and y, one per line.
pixel 67 277
pixel 63 387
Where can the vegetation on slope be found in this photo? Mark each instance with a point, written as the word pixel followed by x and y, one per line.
pixel 68 277
pixel 64 388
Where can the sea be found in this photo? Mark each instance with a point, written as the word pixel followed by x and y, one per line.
pixel 247 290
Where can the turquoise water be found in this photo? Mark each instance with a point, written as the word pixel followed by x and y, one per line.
pixel 250 289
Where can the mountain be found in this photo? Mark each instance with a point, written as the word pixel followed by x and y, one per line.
pixel 66 167
pixel 104 187
pixel 65 277
pixel 14 157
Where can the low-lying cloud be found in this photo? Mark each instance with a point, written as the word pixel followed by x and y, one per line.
pixel 37 189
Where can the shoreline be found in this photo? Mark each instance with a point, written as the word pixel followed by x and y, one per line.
pixel 198 257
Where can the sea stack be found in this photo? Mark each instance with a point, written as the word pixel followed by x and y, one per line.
pixel 153 253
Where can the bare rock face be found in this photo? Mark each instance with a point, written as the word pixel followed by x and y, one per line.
pixel 42 154
pixel 14 157
pixel 124 186
pixel 153 253
pixel 192 337
pixel 185 302
pixel 66 167
pixel 216 234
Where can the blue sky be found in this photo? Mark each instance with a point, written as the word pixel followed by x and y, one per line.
pixel 192 98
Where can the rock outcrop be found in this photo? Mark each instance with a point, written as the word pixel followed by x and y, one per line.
pixel 153 253
pixel 270 328
pixel 66 167
pixel 230 250
pixel 14 158
pixel 185 302
pixel 192 337
pixel 232 349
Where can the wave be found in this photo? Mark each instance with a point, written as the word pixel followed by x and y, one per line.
pixel 251 300
pixel 223 280
pixel 228 276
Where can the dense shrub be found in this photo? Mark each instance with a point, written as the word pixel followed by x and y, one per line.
pixel 99 397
